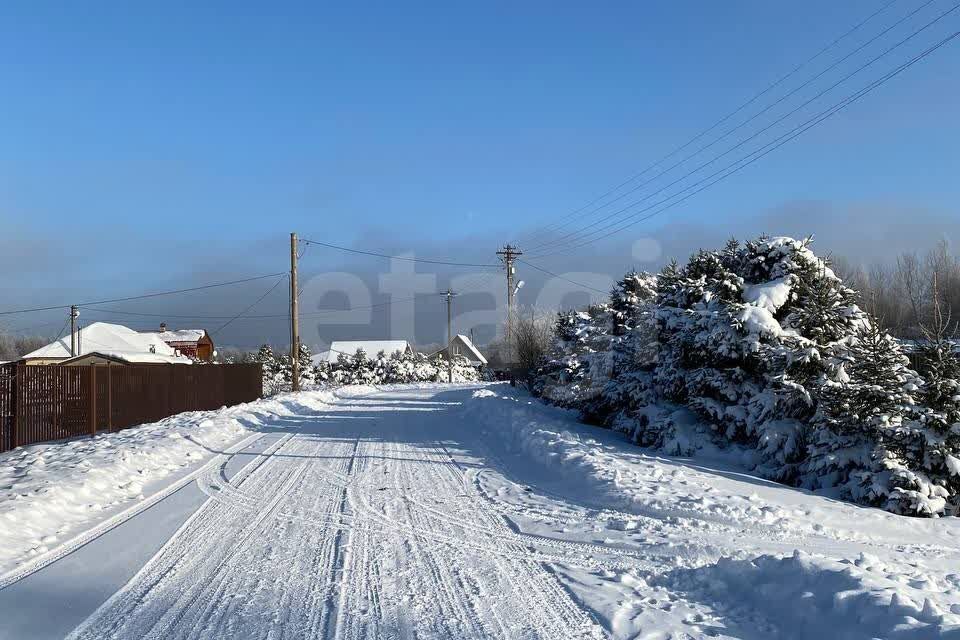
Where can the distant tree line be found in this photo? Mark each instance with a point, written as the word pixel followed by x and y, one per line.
pixel 15 347
pixel 904 294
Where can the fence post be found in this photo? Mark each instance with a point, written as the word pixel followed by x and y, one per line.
pixel 93 399
pixel 109 396
pixel 17 405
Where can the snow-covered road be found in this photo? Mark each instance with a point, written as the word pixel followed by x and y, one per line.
pixel 471 512
pixel 357 523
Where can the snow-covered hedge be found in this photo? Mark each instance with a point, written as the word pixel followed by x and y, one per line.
pixel 359 368
pixel 766 345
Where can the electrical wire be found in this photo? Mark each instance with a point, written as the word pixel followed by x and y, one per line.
pixel 258 301
pixel 449 263
pixel 722 120
pixel 556 275
pixel 725 134
pixel 766 149
pixel 144 296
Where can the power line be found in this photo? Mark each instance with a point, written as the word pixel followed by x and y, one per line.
pixel 449 263
pixel 258 301
pixel 144 296
pixel 752 118
pixel 556 275
pixel 725 118
pixel 562 240
pixel 766 149
pixel 557 243
pixel 31 327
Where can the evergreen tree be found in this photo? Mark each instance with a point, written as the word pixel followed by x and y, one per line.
pixel 305 362
pixel 361 369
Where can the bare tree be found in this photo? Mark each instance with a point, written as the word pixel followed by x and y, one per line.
pixel 912 287
pixel 532 333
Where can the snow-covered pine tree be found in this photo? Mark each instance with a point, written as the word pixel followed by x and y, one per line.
pixel 305 362
pixel 629 298
pixel 767 346
pixel 862 436
pixel 361 369
pixel 322 372
pixel 463 371
pixel 421 369
pixel 379 368
pixel 272 373
pixel 632 347
pixel 579 362
pixel 340 371
pixel 938 422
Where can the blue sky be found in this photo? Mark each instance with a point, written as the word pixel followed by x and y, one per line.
pixel 149 146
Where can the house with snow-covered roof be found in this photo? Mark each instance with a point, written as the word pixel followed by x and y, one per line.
pixel 193 343
pixel 463 346
pixel 102 342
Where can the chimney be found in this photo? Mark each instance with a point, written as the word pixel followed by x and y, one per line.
pixel 163 327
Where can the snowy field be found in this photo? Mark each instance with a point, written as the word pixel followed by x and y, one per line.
pixel 470 511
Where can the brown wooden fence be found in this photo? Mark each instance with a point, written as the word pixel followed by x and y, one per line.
pixel 51 402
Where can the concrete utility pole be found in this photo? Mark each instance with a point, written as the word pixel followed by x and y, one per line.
pixel 294 317
pixel 450 295
pixel 74 313
pixel 507 255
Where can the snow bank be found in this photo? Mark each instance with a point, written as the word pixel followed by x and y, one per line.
pixel 716 487
pixel 803 596
pixel 730 568
pixel 549 436
pixel 52 492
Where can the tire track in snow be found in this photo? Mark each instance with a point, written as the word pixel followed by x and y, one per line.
pixel 307 542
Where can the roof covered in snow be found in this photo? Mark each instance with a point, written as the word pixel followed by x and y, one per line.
pixel 104 337
pixel 130 357
pixel 473 354
pixel 181 335
pixel 370 347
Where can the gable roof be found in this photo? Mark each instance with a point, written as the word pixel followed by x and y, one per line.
pixel 474 352
pixel 130 357
pixel 371 347
pixel 107 338
pixel 181 335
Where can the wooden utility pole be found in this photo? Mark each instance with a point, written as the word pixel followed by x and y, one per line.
pixel 73 329
pixel 507 255
pixel 294 318
pixel 450 294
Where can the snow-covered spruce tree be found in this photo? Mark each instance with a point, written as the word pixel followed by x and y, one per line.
pixel 272 371
pixel 360 368
pixel 769 349
pixel 747 334
pixel 578 363
pixel 340 370
pixel 866 441
pixel 938 421
pixel 379 368
pixel 421 369
pixel 628 300
pixel 305 360
pixel 463 371
pixel 322 372
pixel 632 354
